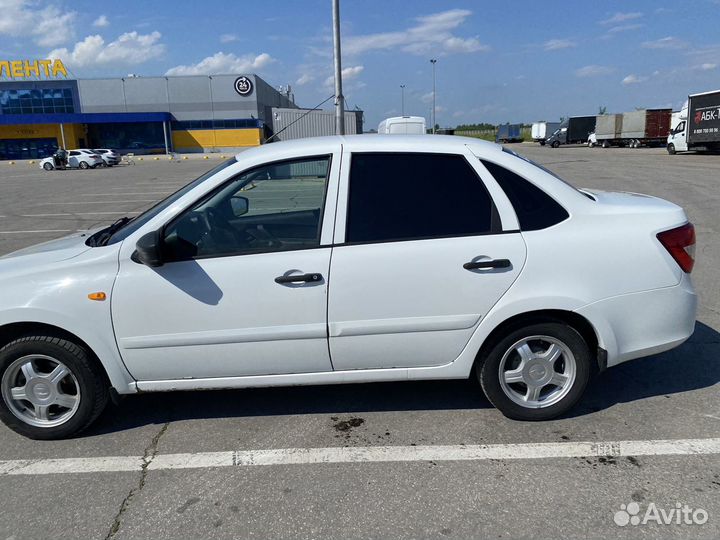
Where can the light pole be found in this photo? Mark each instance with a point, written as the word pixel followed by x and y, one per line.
pixel 402 94
pixel 433 61
pixel 339 99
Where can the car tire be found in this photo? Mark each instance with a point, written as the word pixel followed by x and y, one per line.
pixel 555 144
pixel 671 149
pixel 605 144
pixel 83 165
pixel 551 356
pixel 48 166
pixel 60 408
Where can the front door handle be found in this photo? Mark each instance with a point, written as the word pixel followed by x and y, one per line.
pixel 494 263
pixel 299 278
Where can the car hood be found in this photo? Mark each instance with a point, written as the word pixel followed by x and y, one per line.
pixel 57 250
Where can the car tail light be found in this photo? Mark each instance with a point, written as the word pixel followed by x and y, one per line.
pixel 680 243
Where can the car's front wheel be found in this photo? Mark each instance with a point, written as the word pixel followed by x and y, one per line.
pixel 51 388
pixel 47 166
pixel 537 372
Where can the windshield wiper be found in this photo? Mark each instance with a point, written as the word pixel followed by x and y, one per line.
pixel 103 237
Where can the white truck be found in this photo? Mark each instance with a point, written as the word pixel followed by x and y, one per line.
pixel 697 125
pixel 403 125
pixel 542 130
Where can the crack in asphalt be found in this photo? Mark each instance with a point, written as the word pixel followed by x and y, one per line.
pixel 148 456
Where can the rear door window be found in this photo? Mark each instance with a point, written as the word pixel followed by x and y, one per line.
pixel 409 196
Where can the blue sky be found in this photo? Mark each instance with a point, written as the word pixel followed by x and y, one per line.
pixel 497 61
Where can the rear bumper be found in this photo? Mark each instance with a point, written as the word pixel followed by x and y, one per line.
pixel 644 323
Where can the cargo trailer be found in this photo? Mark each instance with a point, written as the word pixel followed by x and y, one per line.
pixel 644 127
pixel 697 125
pixel 507 133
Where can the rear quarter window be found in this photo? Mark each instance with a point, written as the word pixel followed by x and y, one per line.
pixel 534 208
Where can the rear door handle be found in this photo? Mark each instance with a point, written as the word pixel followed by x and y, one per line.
pixel 299 278
pixel 494 263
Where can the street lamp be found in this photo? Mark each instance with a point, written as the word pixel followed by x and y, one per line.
pixel 433 61
pixel 339 99
pixel 402 93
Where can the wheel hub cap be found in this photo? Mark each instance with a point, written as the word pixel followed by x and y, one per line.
pixel 41 391
pixel 537 371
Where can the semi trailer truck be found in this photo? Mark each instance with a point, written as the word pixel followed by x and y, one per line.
pixel 645 127
pixel 697 125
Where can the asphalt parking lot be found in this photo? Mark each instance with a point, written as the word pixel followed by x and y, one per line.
pixel 186 465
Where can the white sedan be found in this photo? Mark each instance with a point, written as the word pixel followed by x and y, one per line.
pixel 77 159
pixel 345 260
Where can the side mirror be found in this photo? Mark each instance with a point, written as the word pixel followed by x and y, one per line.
pixel 147 250
pixel 240 206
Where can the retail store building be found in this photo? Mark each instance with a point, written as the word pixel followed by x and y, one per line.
pixel 140 114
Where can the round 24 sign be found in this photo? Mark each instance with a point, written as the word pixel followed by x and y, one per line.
pixel 243 86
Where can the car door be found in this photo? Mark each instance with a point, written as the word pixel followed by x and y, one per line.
pixel 422 254
pixel 73 158
pixel 243 287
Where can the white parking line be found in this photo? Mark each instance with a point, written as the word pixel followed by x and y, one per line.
pixel 96 202
pixel 39 231
pixel 132 194
pixel 79 214
pixel 374 454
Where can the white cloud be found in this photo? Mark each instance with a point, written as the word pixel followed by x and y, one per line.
pixel 348 74
pixel 622 17
pixel 557 44
pixel 458 114
pixel 101 22
pixel 593 71
pixel 47 27
pixel 228 38
pixel 304 79
pixel 633 79
pixel 431 33
pixel 426 98
pixel 624 28
pixel 707 66
pixel 223 63
pixel 129 48
pixel 669 42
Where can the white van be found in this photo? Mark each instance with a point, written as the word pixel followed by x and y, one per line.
pixel 403 125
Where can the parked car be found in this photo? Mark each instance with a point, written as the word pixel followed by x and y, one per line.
pixel 77 159
pixel 109 157
pixel 448 256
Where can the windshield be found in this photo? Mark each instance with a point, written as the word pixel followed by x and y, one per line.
pixel 134 224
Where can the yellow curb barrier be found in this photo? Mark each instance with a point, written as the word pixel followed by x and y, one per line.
pixel 206 157
pixel 185 157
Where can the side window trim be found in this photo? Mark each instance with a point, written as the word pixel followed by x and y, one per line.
pixel 210 194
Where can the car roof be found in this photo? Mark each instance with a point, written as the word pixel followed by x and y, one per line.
pixel 378 143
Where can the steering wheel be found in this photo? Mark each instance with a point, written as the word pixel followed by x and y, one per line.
pixel 260 234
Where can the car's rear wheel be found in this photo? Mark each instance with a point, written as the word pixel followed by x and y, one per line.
pixel 83 165
pixel 537 372
pixel 50 387
pixel 47 166
pixel 555 144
